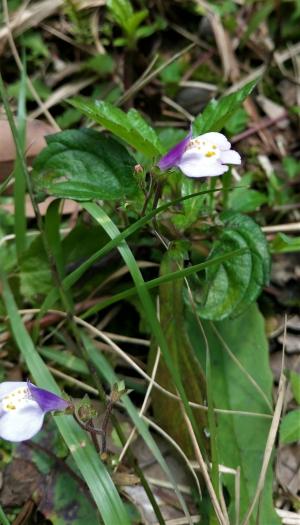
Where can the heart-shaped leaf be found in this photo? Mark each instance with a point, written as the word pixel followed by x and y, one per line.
pixel 84 165
pixel 232 286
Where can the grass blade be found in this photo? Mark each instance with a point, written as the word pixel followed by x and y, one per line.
pixel 20 180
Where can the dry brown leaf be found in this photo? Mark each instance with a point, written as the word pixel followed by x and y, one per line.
pixel 35 142
pixel 23 19
pixel 69 207
pixel 21 479
pixel 287 468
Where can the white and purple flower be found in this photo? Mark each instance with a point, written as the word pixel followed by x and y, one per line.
pixel 204 156
pixel 23 407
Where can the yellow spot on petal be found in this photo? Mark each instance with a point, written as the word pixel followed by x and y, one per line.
pixel 214 147
pixel 210 154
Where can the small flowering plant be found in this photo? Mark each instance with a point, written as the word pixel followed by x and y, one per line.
pixel 23 407
pixel 204 156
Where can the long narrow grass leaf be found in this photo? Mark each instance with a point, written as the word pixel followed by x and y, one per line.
pixel 19 175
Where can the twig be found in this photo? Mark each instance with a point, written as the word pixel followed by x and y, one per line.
pixel 221 518
pixel 291 227
pixel 265 123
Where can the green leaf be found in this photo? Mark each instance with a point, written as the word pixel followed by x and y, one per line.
pixel 291 166
pixel 65 501
pixel 130 127
pixel 259 16
pixel 232 286
pixel 217 112
pixel 290 427
pixel 283 243
pixel 246 200
pixel 102 64
pixel 121 10
pixel 295 384
pixel 135 20
pixel 124 16
pixel 241 439
pixel 237 122
pixel 84 165
pixel 36 45
pixel 87 460
pixel 35 275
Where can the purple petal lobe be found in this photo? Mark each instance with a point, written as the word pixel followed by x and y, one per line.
pixel 172 158
pixel 47 400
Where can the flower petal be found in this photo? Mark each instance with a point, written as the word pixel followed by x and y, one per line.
pixel 192 166
pixel 47 400
pixel 230 157
pixel 22 424
pixel 9 386
pixel 174 155
pixel 216 138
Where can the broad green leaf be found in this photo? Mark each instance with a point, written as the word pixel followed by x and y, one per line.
pixel 241 439
pixel 130 127
pixel 217 112
pixel 84 165
pixel 232 286
pixel 87 460
pixel 290 427
pixel 295 384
